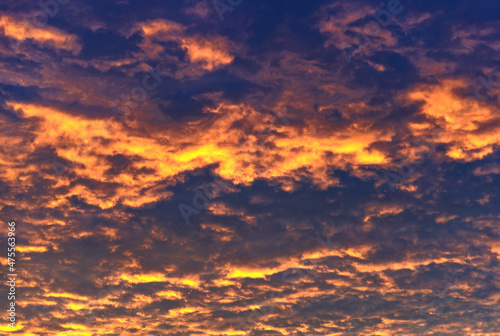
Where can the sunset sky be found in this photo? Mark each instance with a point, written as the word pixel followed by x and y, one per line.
pixel 251 167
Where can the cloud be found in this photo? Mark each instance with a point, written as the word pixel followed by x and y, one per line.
pixel 471 128
pixel 22 30
pixel 307 236
pixel 487 170
pixel 208 53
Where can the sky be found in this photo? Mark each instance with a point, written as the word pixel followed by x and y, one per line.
pixel 261 168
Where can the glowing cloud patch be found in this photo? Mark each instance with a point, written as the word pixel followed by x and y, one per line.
pixel 52 37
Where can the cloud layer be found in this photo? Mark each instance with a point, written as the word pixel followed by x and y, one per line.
pixel 339 163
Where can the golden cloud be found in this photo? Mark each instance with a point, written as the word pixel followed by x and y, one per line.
pixel 470 126
pixel 209 53
pixel 46 36
pixel 262 149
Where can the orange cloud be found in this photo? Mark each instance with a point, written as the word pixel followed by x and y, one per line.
pixel 470 128
pixel 296 153
pixel 343 33
pixel 209 53
pixel 47 36
pixel 32 249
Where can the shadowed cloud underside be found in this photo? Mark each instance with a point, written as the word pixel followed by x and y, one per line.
pixel 251 168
